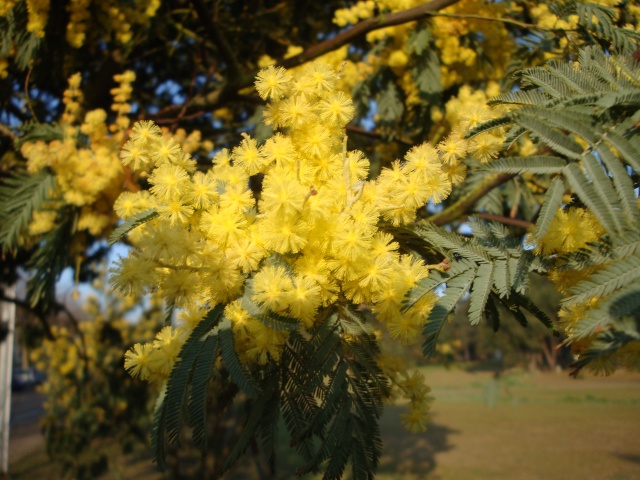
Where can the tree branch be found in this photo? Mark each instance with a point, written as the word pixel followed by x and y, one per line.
pixel 373 134
pixel 460 207
pixel 229 91
pixel 362 28
pixel 510 21
pixel 27 306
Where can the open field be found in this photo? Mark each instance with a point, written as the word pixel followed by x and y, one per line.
pixel 524 426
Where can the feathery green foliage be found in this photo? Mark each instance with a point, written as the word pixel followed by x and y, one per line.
pixel 492 264
pixel 585 112
pixel 20 195
pixel 131 223
pixel 48 260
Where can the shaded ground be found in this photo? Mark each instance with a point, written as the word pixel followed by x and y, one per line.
pixel 523 426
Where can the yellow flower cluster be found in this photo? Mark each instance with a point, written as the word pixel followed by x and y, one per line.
pixel 309 239
pixel 119 18
pixel 85 162
pixel 38 16
pixel 71 355
pixel 570 230
pixel 6 6
pixel 79 17
pixel 547 20
pixel 350 72
pixel 84 383
pixel 459 60
pixel 410 387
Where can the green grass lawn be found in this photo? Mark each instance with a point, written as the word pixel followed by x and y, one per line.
pixel 522 426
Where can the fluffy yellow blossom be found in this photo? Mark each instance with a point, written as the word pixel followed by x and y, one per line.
pixel 570 230
pixel 311 237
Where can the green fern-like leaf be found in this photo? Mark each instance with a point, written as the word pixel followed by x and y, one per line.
pixel 20 195
pixel 548 136
pixel 606 281
pixel 622 183
pixel 197 401
pixel 550 205
pixel 524 302
pixel 435 279
pixel 628 148
pixel 131 223
pixel 452 242
pixel 158 430
pixel 480 292
pixel 182 373
pixel 239 374
pixel 256 410
pixel 588 195
pixel 33 132
pixel 502 278
pixel 538 164
pixel 50 259
pixel 456 288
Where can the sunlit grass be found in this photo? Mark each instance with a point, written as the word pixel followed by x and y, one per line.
pixel 519 426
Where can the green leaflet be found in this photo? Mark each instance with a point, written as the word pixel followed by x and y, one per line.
pixel 239 374
pixel 538 164
pixel 548 136
pixel 502 278
pixel 621 39
pixel 489 125
pixel 622 183
pixel 625 302
pixel 131 223
pixel 628 148
pixel 606 281
pixel 522 302
pixel 50 259
pixel 456 288
pixel 550 205
pixel 604 189
pixel 452 242
pixel 589 196
pixel 482 284
pixel 197 400
pixel 435 279
pixel 390 106
pixel 188 370
pixel 182 373
pixel 419 40
pixel 332 416
pixel 158 429
pixel 20 195
pixel 268 427
pixel 603 349
pixel 33 132
pixel 257 408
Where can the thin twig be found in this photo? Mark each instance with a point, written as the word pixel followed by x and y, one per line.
pixel 228 92
pixel 6 132
pixel 510 21
pixel 506 220
pixel 27 306
pixel 460 207
pixel 26 94
pixel 212 29
pixel 362 28
pixel 377 135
